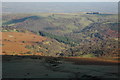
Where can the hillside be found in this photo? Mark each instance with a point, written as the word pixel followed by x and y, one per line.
pixel 68 34
pixel 27 43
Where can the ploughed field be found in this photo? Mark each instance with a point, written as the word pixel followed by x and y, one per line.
pixel 59 67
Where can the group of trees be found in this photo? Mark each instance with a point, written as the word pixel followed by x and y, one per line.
pixel 62 39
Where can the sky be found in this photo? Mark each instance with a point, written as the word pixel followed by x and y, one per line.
pixel 59 0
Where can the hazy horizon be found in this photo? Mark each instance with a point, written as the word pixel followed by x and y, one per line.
pixel 59 7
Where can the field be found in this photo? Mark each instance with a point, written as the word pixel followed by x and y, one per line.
pixel 14 42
